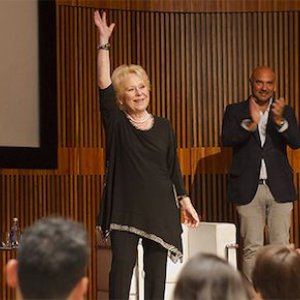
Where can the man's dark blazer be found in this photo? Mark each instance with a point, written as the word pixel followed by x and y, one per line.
pixel 247 154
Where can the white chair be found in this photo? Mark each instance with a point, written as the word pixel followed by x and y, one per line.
pixel 208 237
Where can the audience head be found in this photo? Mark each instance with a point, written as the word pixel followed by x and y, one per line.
pixel 51 261
pixel 276 273
pixel 209 277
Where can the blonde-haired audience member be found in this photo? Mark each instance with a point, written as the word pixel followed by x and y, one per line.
pixel 209 277
pixel 276 273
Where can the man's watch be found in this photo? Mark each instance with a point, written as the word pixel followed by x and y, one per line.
pixel 282 122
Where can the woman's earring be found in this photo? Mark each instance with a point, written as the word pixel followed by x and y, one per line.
pixel 121 105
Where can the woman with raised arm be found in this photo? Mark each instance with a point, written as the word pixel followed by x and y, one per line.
pixel 144 189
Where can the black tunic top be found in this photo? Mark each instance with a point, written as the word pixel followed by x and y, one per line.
pixel 142 180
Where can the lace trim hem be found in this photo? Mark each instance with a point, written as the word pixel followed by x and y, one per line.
pixel 174 254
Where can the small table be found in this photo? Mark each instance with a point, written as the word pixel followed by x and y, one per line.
pixel 8 248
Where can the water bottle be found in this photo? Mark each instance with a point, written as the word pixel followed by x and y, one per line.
pixel 15 233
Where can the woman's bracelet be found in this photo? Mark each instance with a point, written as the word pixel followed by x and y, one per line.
pixel 103 47
pixel 179 198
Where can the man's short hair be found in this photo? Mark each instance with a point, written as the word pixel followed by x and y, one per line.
pixel 52 258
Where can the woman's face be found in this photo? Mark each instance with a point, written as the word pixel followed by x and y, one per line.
pixel 135 96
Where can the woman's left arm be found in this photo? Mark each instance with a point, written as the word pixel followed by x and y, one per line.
pixel 190 216
pixel 189 213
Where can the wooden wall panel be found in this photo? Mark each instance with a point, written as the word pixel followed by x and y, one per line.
pixel 189 5
pixel 198 62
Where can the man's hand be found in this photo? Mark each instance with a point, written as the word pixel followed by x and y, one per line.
pixel 277 110
pixel 254 113
pixel 254 110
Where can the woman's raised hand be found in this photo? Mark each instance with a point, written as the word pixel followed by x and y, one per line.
pixel 103 63
pixel 105 31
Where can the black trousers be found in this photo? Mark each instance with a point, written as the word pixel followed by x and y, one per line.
pixel 124 254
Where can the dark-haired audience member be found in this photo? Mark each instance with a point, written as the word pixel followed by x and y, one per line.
pixel 51 261
pixel 209 277
pixel 276 273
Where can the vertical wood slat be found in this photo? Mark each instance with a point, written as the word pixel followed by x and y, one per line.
pixel 297 77
pixel 197 62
